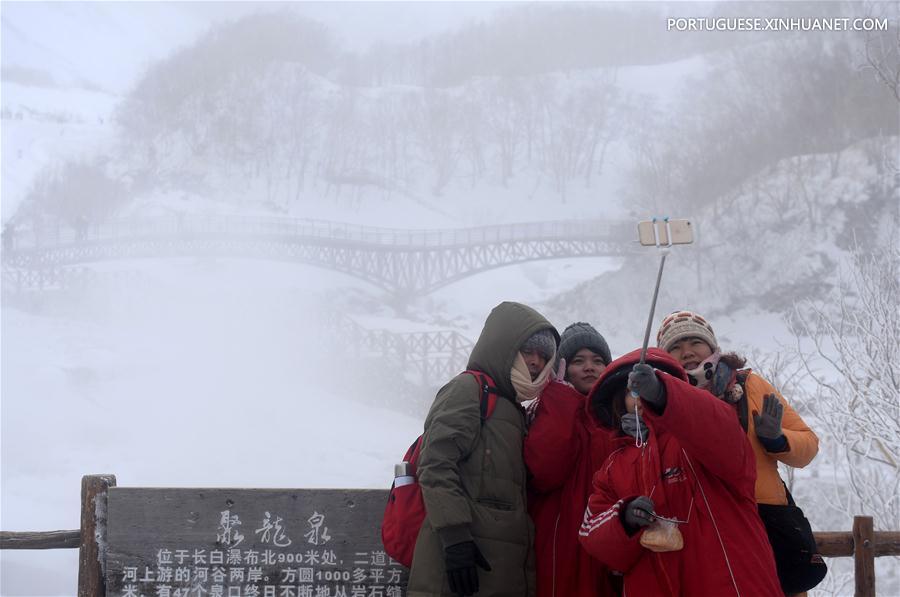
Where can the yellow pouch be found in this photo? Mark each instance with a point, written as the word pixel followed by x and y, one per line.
pixel 662 535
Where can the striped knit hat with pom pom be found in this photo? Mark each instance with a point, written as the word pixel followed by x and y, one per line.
pixel 684 324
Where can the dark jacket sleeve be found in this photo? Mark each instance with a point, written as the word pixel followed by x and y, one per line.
pixel 602 534
pixel 708 431
pixel 552 444
pixel 451 432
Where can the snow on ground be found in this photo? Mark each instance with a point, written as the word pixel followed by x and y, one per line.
pixel 103 44
pixel 57 103
pixel 176 379
pixel 663 85
pixel 206 373
pixel 180 377
pixel 46 127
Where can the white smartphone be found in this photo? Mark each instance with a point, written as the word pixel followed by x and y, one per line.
pixel 656 232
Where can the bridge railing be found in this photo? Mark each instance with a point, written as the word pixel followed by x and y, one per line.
pixel 402 262
pixel 435 356
pixel 55 233
pixel 121 529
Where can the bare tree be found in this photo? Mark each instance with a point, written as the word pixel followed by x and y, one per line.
pixel 855 338
pixel 883 49
pixel 437 126
pixel 575 122
pixel 78 194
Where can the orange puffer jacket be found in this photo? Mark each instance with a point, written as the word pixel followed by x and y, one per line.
pixel 803 444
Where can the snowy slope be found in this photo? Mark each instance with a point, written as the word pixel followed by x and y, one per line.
pixel 754 257
pixel 102 45
pixel 45 127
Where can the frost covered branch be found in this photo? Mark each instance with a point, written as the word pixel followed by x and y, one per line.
pixel 848 344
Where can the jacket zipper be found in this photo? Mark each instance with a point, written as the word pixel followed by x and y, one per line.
pixel 555 535
pixel 657 556
pixel 524 420
pixel 715 526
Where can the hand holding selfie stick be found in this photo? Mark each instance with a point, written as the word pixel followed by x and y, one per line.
pixel 661 233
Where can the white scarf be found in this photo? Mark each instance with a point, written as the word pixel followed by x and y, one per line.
pixel 702 375
pixel 521 379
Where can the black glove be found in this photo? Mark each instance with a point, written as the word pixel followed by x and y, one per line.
pixel 460 561
pixel 768 424
pixel 629 425
pixel 638 514
pixel 643 381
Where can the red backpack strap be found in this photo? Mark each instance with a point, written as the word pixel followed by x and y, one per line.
pixel 489 393
pixel 412 454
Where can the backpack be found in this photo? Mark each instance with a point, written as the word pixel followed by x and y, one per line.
pixel 405 510
pixel 799 564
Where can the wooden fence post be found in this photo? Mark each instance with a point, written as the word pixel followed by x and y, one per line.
pixel 864 555
pixel 92 552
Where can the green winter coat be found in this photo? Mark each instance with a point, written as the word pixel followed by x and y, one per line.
pixel 473 475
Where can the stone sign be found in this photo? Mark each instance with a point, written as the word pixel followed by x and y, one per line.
pixel 248 543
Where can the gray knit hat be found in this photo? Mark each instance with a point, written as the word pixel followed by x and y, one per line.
pixel 542 342
pixel 582 335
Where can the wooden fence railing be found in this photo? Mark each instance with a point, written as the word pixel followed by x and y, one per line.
pixel 167 534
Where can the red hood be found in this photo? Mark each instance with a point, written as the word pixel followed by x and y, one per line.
pixel 615 376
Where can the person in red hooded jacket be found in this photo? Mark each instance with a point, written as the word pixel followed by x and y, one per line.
pixel 562 450
pixel 673 508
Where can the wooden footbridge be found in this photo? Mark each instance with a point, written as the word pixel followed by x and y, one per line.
pixel 402 262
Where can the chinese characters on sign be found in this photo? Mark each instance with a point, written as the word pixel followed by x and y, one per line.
pixel 315 536
pixel 228 534
pixel 273 566
pixel 277 538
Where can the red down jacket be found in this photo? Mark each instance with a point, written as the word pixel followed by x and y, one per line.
pixel 562 453
pixel 697 466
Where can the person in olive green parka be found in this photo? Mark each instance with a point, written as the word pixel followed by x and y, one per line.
pixel 477 537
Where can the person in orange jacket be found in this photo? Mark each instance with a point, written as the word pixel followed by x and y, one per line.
pixel 562 451
pixel 775 430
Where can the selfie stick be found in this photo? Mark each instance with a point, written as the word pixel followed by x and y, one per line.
pixel 639 440
pixel 662 262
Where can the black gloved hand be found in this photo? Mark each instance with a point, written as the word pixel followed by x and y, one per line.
pixel 768 424
pixel 629 425
pixel 643 381
pixel 638 513
pixel 461 560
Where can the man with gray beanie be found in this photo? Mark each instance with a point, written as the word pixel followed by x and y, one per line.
pixel 562 450
pixel 476 537
pixel 537 351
